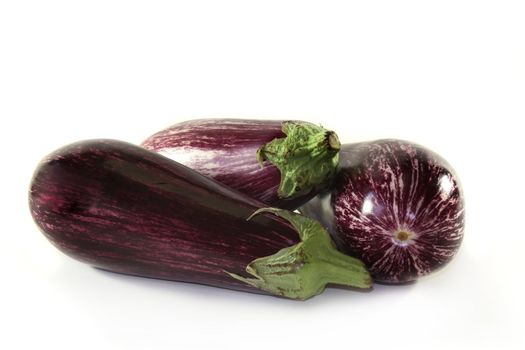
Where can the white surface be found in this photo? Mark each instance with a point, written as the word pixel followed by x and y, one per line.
pixel 447 74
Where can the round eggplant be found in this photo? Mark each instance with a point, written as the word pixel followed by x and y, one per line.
pixel 396 206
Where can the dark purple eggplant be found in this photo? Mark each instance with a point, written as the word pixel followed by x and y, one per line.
pixel 280 163
pixel 396 206
pixel 125 209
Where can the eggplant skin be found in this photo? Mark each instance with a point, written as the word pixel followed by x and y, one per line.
pixel 227 151
pixel 122 208
pixel 395 205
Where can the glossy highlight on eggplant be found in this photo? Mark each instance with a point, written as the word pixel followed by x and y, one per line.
pixel 280 163
pixel 125 209
pixel 396 206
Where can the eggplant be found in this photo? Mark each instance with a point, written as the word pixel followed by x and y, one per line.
pixel 395 205
pixel 280 163
pixel 122 208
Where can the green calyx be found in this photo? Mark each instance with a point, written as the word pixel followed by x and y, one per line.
pixel 307 157
pixel 303 270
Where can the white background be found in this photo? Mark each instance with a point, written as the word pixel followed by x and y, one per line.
pixel 447 74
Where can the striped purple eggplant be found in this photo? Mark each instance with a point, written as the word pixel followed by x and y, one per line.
pixel 125 209
pixel 395 205
pixel 280 163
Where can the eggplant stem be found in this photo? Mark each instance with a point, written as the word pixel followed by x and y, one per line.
pixel 303 270
pixel 306 158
